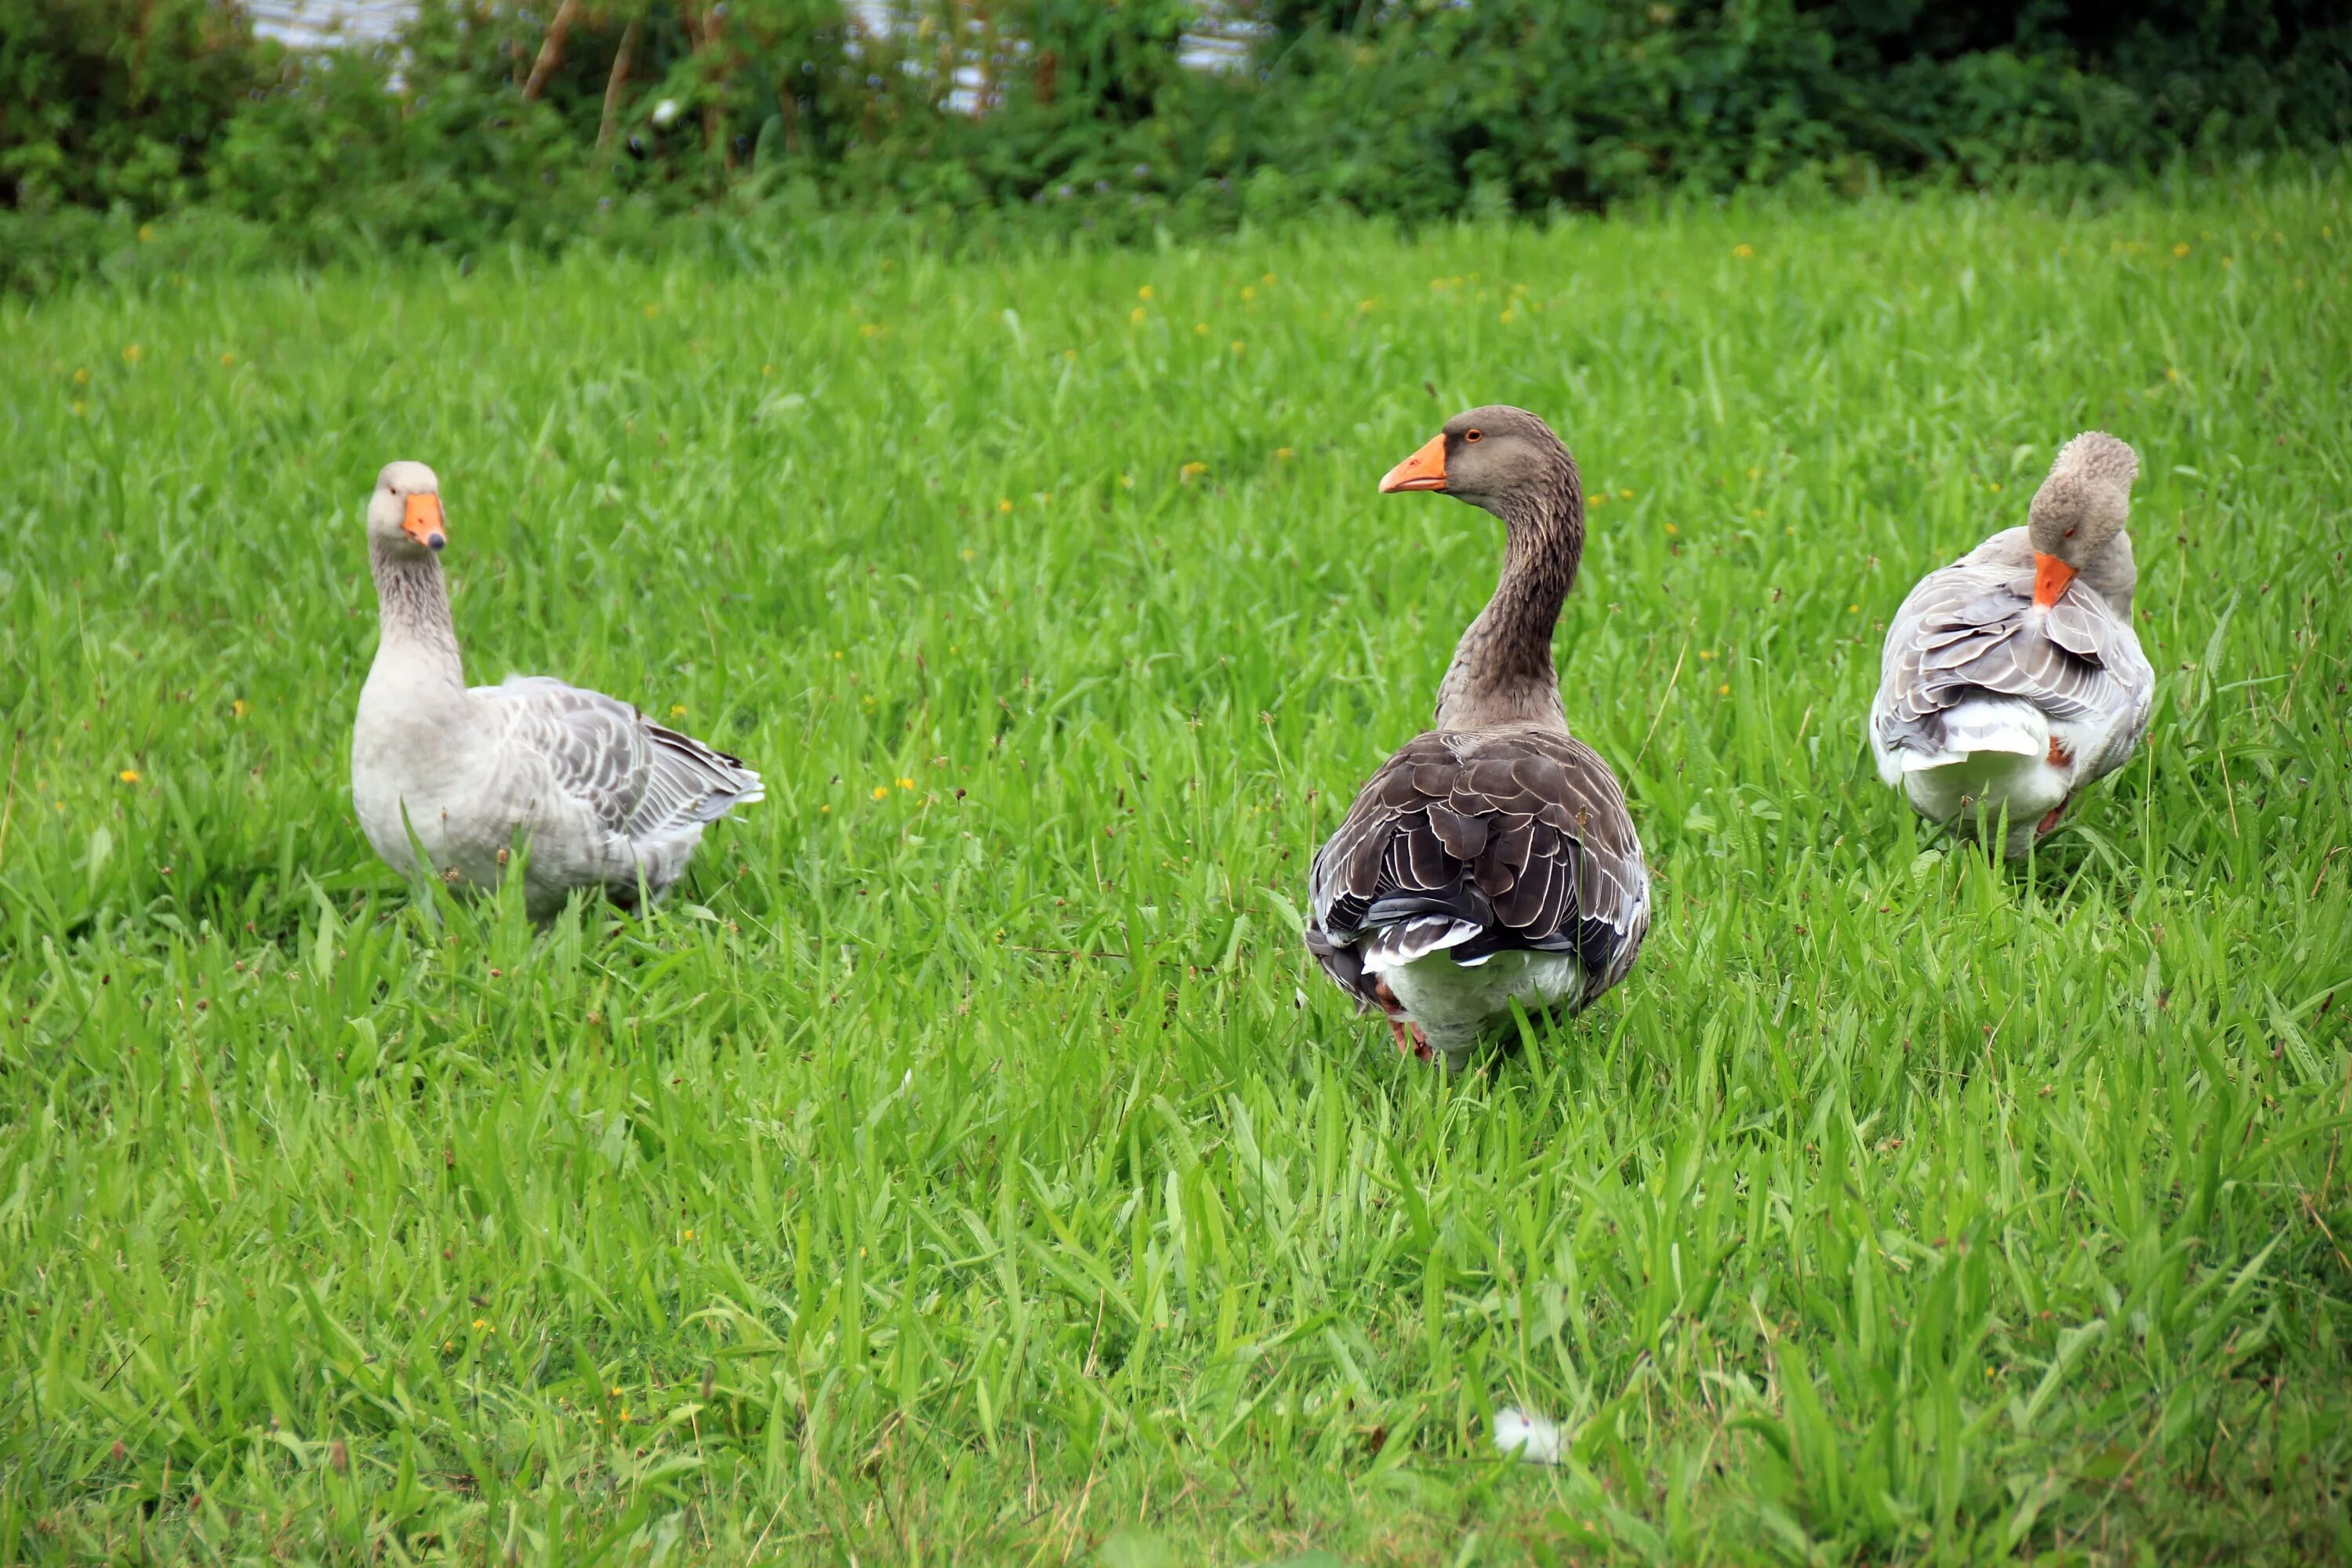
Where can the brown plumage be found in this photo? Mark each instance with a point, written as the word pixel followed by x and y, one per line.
pixel 1491 859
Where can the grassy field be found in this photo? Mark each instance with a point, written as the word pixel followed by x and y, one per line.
pixel 969 1165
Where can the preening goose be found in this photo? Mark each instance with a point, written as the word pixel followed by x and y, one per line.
pixel 603 798
pixel 2012 677
pixel 1492 858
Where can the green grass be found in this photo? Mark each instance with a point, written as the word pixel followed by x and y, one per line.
pixel 969 1165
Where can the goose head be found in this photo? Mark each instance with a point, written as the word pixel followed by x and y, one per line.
pixel 2079 510
pixel 404 515
pixel 1499 458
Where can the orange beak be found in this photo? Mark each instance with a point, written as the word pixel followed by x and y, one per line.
pixel 420 518
pixel 2051 576
pixel 1425 471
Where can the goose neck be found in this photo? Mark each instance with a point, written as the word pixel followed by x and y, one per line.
pixel 413 616
pixel 2113 574
pixel 1502 671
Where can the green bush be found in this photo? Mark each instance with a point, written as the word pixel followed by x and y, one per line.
pixel 485 123
pixel 118 102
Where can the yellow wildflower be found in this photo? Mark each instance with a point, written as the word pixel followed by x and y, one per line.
pixel 1624 494
pixel 879 791
pixel 1069 353
pixel 1743 251
pixel 81 376
pixel 2181 249
pixel 869 329
pixel 1237 345
pixel 1248 292
pixel 677 710
pixel 1144 293
pixel 1723 689
pixel 1268 278
pixel 129 775
pixel 1200 328
pixel 227 360
pixel 1284 453
pixel 131 352
pixel 1004 503
pixel 1137 314
pixel 146 232
pixel 906 783
pixel 238 707
pixel 1189 469
pixel 1706 653
pixel 1363 307
pixel 651 311
pixel 79 408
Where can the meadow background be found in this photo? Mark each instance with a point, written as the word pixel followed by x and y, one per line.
pixel 968 1165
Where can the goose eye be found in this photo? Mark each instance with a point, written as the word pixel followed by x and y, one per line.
pixel 1473 435
pixel 2069 533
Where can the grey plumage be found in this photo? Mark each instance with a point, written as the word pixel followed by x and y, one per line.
pixel 1965 630
pixel 601 797
pixel 2012 677
pixel 640 779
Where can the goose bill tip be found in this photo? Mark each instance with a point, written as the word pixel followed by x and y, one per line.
pixel 1425 471
pixel 2051 576
pixel 422 521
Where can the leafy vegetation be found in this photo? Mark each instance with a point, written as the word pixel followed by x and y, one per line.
pixel 969 1165
pixel 545 121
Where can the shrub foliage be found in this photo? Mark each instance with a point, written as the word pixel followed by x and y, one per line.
pixel 531 119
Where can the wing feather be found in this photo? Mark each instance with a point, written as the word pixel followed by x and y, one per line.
pixel 1969 629
pixel 637 778
pixel 1523 833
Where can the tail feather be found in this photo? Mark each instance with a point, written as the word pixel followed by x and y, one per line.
pixel 1394 946
pixel 695 782
pixel 1974 728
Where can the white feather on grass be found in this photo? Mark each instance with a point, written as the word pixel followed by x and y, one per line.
pixel 1530 1436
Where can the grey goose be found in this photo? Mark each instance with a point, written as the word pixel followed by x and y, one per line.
pixel 603 798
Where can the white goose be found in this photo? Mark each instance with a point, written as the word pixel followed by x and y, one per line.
pixel 2011 678
pixel 602 798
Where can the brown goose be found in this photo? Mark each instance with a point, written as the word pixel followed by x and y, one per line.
pixel 2011 678
pixel 1491 860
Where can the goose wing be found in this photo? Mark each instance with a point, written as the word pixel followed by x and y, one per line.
pixel 635 778
pixel 1969 629
pixel 1484 842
